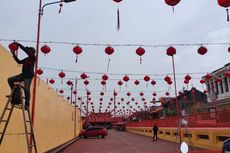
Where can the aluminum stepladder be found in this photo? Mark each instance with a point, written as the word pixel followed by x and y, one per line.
pixel 5 118
pixel 182 123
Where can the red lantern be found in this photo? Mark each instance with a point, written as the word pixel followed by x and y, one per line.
pixel 186 81
pixel 102 93
pixel 171 51
pixel 88 93
pixel 202 81
pixel 68 98
pixel 39 71
pixel 119 82
pixel 172 3
pixel 208 76
pixel 83 76
pixel 167 93
pixel 69 82
pixel 227 74
pixel 141 94
pixel 86 82
pixel 52 81
pixel 126 78
pixel 109 50
pixel 226 4
pixel 146 78
pixel 101 99
pixel 61 75
pixel 74 92
pixel 115 94
pixel 118 14
pixel 133 99
pixel 153 82
pixel 167 79
pixel 229 49
pixel 187 77
pixel 61 91
pixel 79 98
pixel 136 82
pixel 77 50
pixel 128 94
pixel 218 80
pixel 140 51
pixel 45 49
pixel 122 99
pixel 105 77
pixel 154 94
pixel 12 46
pixel 169 82
pixel 202 50
pixel 103 82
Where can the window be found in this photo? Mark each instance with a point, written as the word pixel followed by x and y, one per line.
pixel 226 84
pixel 217 90
pixel 221 86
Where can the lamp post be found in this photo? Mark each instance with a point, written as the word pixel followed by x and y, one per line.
pixel 40 13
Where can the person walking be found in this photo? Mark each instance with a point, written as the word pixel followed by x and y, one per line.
pixel 27 73
pixel 155 130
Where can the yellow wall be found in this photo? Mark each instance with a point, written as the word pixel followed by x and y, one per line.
pixel 199 135
pixel 54 117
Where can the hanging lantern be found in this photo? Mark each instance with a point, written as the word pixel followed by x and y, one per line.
pixel 126 78
pixel 109 51
pixel 86 82
pixel 39 71
pixel 122 99
pixel 169 82
pixel 146 78
pixel 133 99
pixel 104 77
pixel 52 81
pixel 115 94
pixel 88 93
pixel 227 74
pixel 141 94
pixel 140 51
pixel 202 81
pixel 154 94
pixel 79 98
pixel 208 76
pixel 153 82
pixel 167 78
pixel 218 80
pixel 202 50
pixel 229 49
pixel 45 49
pixel 61 75
pixel 143 99
pixel 226 4
pixel 68 98
pixel 61 91
pixel 187 77
pixel 102 93
pixel 103 82
pixel 137 82
pixel 74 92
pixel 172 3
pixel 120 83
pixel 83 76
pixel 171 51
pixel 118 14
pixel 128 94
pixel 186 81
pixel 167 93
pixel 13 46
pixel 77 50
pixel 69 82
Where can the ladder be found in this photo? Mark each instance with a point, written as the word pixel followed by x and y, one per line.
pixel 5 118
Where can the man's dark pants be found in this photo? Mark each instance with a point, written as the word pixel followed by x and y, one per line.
pixel 27 83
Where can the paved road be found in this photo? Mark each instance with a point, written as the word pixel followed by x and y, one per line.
pixel 120 142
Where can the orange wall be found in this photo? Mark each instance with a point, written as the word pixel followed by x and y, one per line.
pixel 54 117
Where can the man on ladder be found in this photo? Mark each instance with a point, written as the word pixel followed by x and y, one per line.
pixel 27 71
pixel 15 97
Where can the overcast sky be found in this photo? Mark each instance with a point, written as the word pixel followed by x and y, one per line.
pixel 142 22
